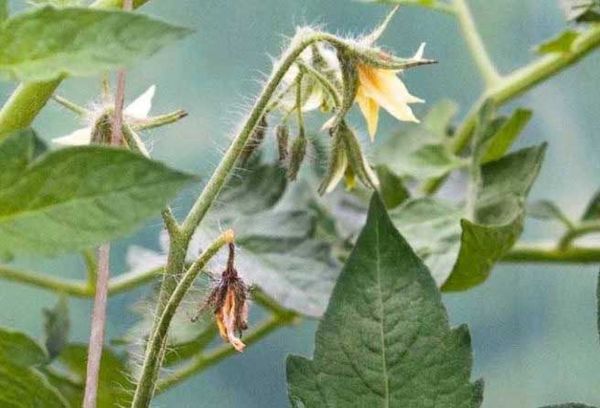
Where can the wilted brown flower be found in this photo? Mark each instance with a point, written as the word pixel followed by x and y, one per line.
pixel 229 300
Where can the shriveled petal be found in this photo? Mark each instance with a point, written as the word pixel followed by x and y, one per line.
pixel 229 321
pixel 388 91
pixel 140 108
pixel 370 111
pixel 80 137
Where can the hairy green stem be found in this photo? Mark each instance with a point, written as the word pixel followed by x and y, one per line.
pixel 475 43
pixel 152 361
pixel 515 84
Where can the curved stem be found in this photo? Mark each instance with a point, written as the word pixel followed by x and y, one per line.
pixel 584 228
pixel 152 361
pixel 476 46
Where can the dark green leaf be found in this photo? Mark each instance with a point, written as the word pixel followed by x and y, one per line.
pixel 56 327
pixel 547 210
pixel 21 385
pixel 461 253
pixel 385 340
pixel 16 152
pixel 499 213
pixel 78 197
pixel 592 212
pixel 559 44
pixel 507 133
pixel 115 385
pixel 46 43
pixel 393 192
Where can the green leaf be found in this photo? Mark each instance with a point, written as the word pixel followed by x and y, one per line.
pixel 280 247
pixel 115 385
pixel 385 340
pixel 20 350
pixel 498 219
pixel 547 210
pixel 559 44
pixel 393 192
pixel 21 385
pixel 56 327
pixel 459 252
pixel 78 197
pixel 507 133
pixel 46 43
pixel 592 211
pixel 422 151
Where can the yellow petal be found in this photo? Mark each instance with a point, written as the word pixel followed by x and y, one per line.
pixel 370 111
pixel 388 91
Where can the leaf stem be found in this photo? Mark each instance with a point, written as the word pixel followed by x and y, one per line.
pixel 69 287
pixel 549 253
pixel 152 361
pixel 475 43
pixel 584 228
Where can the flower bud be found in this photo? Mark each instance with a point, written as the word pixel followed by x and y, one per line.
pixel 356 158
pixel 297 156
pixel 338 163
pixel 282 133
pixel 255 140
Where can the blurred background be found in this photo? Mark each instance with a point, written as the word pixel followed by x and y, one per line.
pixel 533 326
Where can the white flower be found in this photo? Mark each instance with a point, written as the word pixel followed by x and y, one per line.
pixel 138 110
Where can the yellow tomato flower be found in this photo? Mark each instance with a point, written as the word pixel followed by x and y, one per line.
pixel 382 88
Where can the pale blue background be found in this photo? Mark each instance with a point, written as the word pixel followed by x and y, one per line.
pixel 533 326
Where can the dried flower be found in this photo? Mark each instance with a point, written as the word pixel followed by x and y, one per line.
pixel 229 300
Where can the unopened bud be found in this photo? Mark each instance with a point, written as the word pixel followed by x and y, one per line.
pixel 282 132
pixel 297 156
pixel 338 163
pixel 356 158
pixel 255 140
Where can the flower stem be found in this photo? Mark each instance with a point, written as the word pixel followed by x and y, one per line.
pixel 584 228
pixel 475 43
pixel 549 253
pixel 152 361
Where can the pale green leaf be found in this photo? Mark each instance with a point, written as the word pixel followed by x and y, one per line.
pixel 56 3
pixel 422 151
pixel 507 133
pixel 385 340
pixel 56 327
pixel 78 197
pixel 560 44
pixel 46 43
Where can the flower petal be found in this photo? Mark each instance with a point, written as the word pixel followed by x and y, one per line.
pixel 370 111
pixel 80 137
pixel 388 91
pixel 140 108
